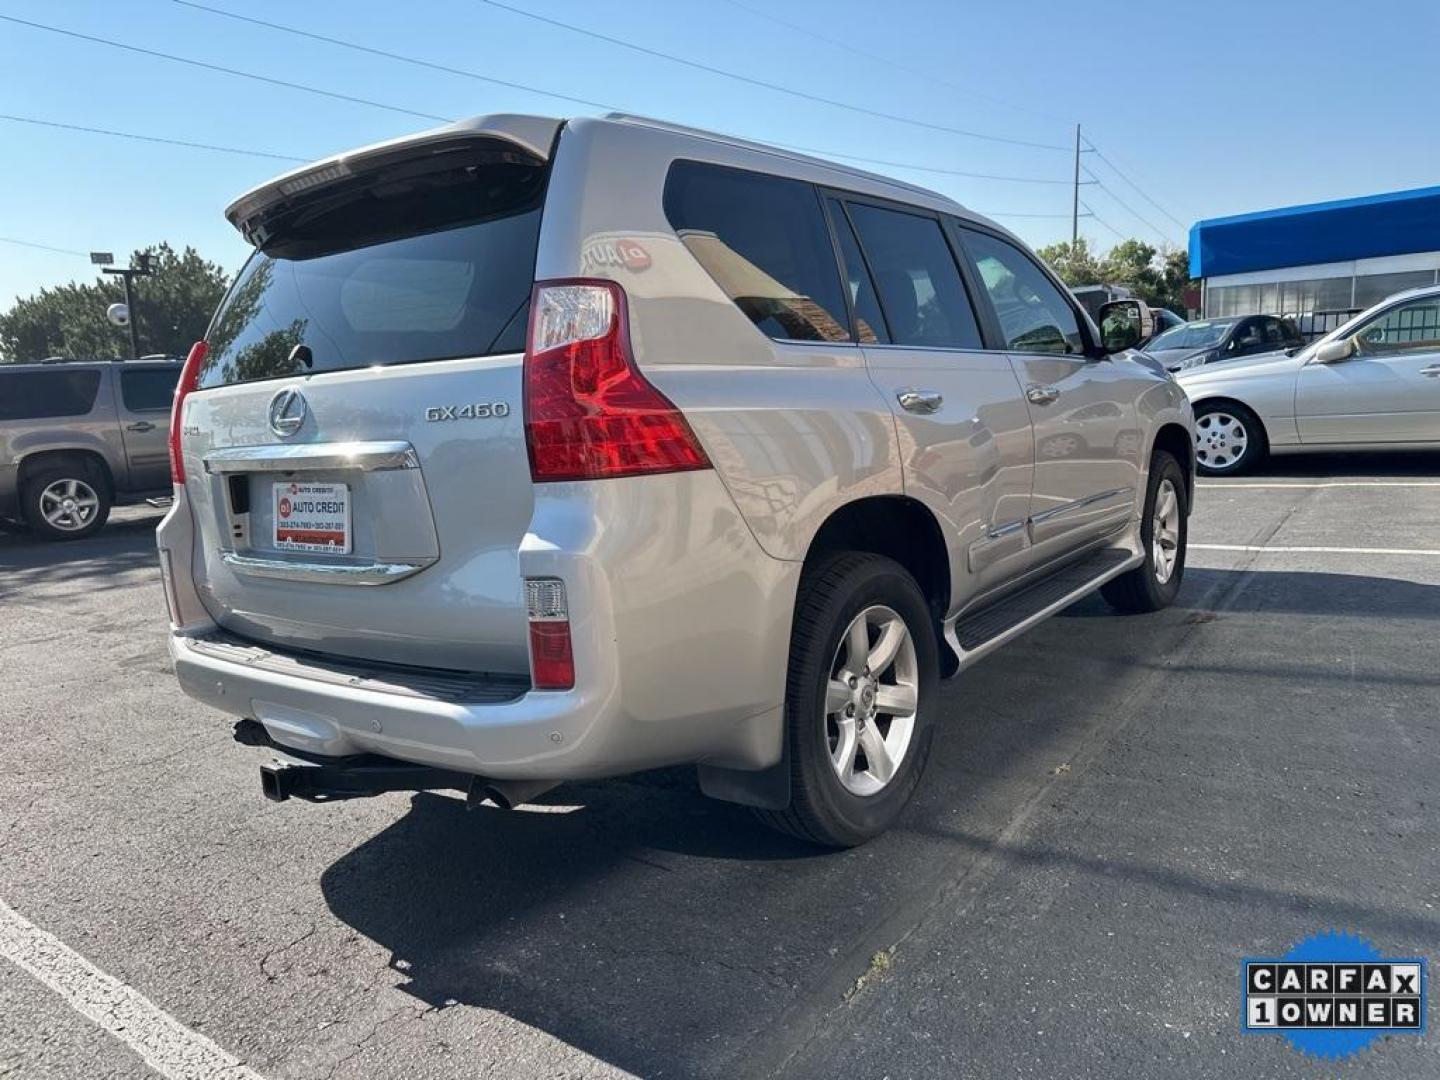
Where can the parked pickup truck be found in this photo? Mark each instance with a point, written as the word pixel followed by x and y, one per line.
pixel 77 437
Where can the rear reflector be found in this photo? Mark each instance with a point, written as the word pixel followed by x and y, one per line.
pixel 589 413
pixel 552 661
pixel 189 379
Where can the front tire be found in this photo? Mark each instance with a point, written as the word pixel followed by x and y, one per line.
pixel 1164 532
pixel 862 684
pixel 66 502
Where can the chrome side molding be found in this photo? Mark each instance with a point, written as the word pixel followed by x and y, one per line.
pixel 1000 542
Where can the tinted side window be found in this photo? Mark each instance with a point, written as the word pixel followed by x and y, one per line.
pixel 765 242
pixel 1249 336
pixel 1034 316
pixel 151 390
pixel 869 322
pixel 915 273
pixel 38 395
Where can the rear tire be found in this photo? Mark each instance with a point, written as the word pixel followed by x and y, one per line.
pixel 1153 584
pixel 66 502
pixel 1229 439
pixel 858 738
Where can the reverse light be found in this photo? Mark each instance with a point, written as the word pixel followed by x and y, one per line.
pixel 552 660
pixel 189 380
pixel 589 413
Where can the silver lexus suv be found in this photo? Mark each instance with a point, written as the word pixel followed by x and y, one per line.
pixel 526 450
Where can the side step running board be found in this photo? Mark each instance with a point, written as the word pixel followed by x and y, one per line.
pixel 977 633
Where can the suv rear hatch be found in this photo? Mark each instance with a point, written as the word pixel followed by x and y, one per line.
pixel 355 453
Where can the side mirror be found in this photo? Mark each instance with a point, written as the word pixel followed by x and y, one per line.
pixel 1335 352
pixel 1124 324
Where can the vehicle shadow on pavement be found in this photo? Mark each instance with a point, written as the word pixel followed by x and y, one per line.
pixel 1375 464
pixel 122 545
pixel 1293 592
pixel 668 934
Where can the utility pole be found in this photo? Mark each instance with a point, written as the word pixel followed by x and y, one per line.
pixel 127 274
pixel 1075 204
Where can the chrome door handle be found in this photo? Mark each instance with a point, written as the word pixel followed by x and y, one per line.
pixel 920 401
pixel 140 425
pixel 1433 370
pixel 1040 395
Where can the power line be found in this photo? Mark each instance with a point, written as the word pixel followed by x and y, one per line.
pixel 776 87
pixel 922 168
pixel 422 62
pixel 1018 214
pixel 149 138
pixel 415 60
pixel 1131 211
pixel 224 70
pixel 801 28
pixel 382 105
pixel 1101 221
pixel 1138 190
pixel 42 247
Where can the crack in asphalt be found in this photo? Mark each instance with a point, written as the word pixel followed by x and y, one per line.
pixel 280 951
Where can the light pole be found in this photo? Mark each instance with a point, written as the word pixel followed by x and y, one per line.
pixel 140 268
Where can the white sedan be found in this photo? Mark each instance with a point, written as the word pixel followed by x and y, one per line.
pixel 1371 384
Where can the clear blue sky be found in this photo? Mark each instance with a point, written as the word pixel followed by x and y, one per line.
pixel 1212 107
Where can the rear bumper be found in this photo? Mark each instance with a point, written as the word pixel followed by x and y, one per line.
pixel 680 626
pixel 537 734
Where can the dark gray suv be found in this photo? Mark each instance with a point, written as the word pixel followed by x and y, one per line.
pixel 77 437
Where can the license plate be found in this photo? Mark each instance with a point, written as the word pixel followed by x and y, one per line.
pixel 312 517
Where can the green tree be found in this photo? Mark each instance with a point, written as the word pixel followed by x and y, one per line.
pixel 173 307
pixel 1076 263
pixel 1159 277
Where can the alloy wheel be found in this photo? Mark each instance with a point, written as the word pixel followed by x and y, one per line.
pixel 69 505
pixel 871 700
pixel 1165 532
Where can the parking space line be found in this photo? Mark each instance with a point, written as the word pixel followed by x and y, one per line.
pixel 1326 484
pixel 165 1044
pixel 1267 549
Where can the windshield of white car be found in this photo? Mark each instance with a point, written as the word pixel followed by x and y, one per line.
pixel 1195 335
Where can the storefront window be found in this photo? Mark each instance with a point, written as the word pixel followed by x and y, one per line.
pixel 1376 287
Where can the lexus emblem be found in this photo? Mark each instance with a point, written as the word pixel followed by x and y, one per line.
pixel 287 412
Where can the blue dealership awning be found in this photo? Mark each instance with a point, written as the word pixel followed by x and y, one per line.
pixel 1395 223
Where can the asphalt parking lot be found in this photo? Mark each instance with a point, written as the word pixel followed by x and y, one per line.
pixel 1116 812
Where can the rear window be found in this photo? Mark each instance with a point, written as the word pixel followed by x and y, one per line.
pixel 43 395
pixel 765 242
pixel 149 389
pixel 398 270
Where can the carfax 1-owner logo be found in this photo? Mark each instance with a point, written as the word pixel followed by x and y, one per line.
pixel 1332 995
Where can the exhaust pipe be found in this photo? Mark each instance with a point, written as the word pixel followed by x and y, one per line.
pixel 507 794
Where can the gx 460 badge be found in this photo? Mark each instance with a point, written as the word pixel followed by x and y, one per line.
pixel 478 410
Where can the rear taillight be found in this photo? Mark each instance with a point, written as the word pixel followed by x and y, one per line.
pixel 589 413
pixel 189 379
pixel 552 661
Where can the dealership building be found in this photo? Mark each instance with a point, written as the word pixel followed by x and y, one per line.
pixel 1318 263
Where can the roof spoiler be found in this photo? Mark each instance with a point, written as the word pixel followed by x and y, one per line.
pixel 531 136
